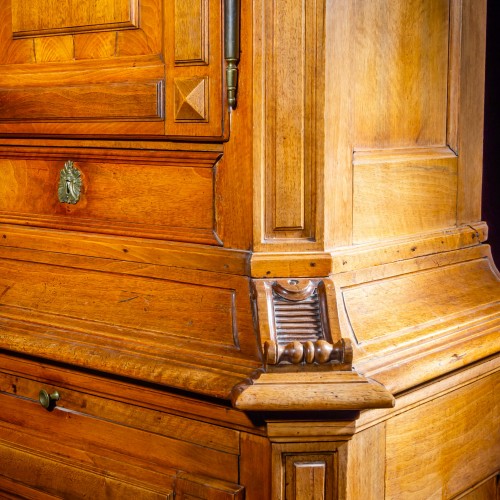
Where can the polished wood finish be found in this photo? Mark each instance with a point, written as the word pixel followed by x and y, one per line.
pixel 469 445
pixel 112 69
pixel 117 190
pixel 285 297
pixel 400 192
pixel 28 20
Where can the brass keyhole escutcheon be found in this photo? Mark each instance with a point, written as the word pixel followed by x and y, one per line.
pixel 70 184
pixel 47 400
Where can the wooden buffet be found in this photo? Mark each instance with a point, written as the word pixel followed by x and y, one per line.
pixel 241 251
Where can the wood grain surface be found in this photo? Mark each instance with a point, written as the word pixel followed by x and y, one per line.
pixel 352 160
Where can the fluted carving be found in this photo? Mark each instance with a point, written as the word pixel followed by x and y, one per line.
pixel 295 324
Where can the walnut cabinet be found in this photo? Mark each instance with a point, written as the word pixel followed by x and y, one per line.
pixel 241 251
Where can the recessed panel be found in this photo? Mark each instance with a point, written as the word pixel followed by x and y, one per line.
pixel 400 65
pixel 292 116
pixel 396 194
pixel 135 101
pixel 191 32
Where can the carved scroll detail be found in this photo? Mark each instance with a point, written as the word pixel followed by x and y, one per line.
pixel 297 330
pixel 308 352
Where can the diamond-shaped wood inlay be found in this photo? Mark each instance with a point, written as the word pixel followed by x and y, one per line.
pixel 190 99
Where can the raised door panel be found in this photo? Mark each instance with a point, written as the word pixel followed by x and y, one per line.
pixel 289 119
pixel 193 68
pixel 111 67
pixel 400 67
pixel 72 15
pixel 406 78
pixel 404 174
pixel 397 193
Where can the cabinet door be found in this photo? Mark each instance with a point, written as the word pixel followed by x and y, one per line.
pixel 111 67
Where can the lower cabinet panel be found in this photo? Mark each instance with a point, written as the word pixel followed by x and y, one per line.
pixel 442 448
pixel 487 490
pixel 88 446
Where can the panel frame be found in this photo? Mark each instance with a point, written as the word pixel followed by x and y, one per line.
pixel 288 158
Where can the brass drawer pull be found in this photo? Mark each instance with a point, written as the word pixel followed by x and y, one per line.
pixel 47 400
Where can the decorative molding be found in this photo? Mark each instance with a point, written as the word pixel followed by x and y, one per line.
pixel 190 99
pixel 297 312
pixel 320 352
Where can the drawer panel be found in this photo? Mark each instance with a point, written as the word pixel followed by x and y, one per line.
pixel 101 444
pixel 168 196
pixel 73 399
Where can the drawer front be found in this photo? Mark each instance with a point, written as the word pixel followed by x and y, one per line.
pixel 169 196
pixel 90 444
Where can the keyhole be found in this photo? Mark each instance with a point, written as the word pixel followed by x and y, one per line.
pixel 68 189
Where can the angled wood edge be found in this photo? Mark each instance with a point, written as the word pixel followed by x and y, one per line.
pixel 310 391
pixel 451 354
pixel 175 367
pixel 316 264
pixel 99 250
pixel 415 321
pixel 365 255
pixel 195 486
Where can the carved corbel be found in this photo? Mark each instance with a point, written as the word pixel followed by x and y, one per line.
pixel 307 364
pixel 294 320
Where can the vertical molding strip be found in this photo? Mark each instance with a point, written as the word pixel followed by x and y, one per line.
pixel 471 111
pixel 291 138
